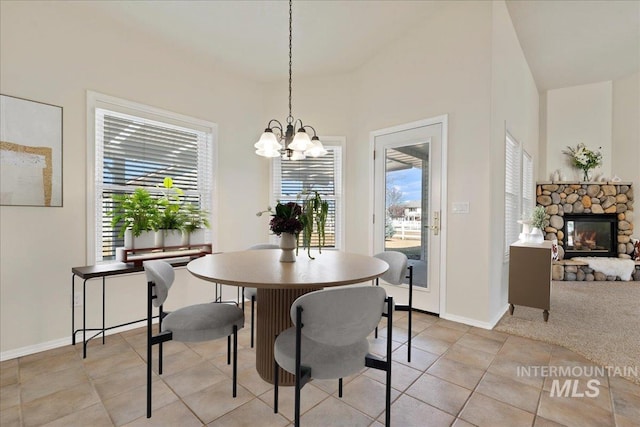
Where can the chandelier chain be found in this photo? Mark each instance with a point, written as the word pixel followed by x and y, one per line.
pixel 290 118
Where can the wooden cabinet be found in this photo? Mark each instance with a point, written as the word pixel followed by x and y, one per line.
pixel 530 276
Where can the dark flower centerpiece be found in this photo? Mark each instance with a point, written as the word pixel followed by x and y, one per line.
pixel 286 219
pixel 286 223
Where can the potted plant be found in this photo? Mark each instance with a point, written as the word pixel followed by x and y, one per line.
pixel 170 219
pixel 538 222
pixel 315 212
pixel 286 223
pixel 290 219
pixel 195 221
pixel 584 159
pixel 136 215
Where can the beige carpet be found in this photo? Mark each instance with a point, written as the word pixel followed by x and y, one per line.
pixel 599 320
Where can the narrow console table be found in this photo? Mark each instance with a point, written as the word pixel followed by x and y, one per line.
pixel 530 276
pixel 103 271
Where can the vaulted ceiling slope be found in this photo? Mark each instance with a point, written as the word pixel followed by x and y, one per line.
pixel 568 43
pixel 565 42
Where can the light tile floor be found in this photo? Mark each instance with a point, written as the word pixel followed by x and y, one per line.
pixel 459 375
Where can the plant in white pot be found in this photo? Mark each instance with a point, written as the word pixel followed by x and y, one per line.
pixel 170 219
pixel 135 215
pixel 195 221
pixel 538 222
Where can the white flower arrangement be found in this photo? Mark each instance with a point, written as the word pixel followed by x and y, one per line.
pixel 584 158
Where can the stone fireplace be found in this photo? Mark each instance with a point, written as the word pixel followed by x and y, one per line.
pixel 586 218
pixel 590 204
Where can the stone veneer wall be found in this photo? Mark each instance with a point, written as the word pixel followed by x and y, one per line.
pixel 559 198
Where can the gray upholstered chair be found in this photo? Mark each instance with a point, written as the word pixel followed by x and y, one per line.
pixel 329 339
pixel 395 275
pixel 194 323
pixel 252 293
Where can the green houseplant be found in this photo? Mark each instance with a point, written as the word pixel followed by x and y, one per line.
pixel 295 219
pixel 194 220
pixel 314 213
pixel 171 218
pixel 137 213
pixel 538 222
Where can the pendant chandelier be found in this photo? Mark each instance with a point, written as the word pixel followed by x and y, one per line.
pixel 277 141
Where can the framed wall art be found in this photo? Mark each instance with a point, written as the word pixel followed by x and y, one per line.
pixel 30 153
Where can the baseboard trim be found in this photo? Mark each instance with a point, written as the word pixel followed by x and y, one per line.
pixel 499 316
pixel 61 342
pixel 473 322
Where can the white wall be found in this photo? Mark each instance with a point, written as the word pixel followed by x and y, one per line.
pixel 53 52
pixel 625 159
pixel 514 108
pixel 578 114
pixel 444 66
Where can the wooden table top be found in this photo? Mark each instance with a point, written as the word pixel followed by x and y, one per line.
pixel 263 269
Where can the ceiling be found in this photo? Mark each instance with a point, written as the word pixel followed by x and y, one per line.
pixel 565 42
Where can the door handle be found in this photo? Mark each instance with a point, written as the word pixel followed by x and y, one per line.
pixel 436 223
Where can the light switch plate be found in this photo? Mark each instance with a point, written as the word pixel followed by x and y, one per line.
pixel 460 208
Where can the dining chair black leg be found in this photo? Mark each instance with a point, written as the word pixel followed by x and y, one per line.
pixel 298 374
pixel 340 387
pixel 376 333
pixel 149 346
pixel 387 417
pixel 229 350
pixel 410 310
pixel 235 360
pixel 275 387
pixel 242 299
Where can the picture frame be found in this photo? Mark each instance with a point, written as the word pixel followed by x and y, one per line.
pixel 30 153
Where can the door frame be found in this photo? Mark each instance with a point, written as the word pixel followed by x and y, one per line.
pixel 444 121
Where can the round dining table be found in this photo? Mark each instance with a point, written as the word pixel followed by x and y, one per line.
pixel 279 284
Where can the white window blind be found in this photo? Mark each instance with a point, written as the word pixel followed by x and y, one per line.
pixel 512 193
pixel 292 179
pixel 134 151
pixel 528 186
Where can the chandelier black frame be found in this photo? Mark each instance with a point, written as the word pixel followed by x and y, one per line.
pixel 277 141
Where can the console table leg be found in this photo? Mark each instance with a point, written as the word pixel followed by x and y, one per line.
pixel 73 309
pixel 545 315
pixel 511 308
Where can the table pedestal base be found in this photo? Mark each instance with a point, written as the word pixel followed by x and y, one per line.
pixel 273 317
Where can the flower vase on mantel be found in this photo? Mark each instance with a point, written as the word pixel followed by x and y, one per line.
pixel 586 175
pixel 288 246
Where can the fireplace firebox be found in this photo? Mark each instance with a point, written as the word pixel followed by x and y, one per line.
pixel 590 235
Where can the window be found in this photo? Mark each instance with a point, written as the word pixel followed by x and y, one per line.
pixel 528 186
pixel 322 174
pixel 131 146
pixel 519 190
pixel 512 191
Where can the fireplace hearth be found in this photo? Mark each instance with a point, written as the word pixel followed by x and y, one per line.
pixel 590 235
